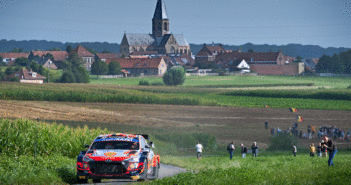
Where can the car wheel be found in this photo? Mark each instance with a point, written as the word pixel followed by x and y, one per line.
pixel 143 176
pixel 96 180
pixel 155 171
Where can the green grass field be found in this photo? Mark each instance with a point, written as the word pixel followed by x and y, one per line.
pixel 333 82
pixel 267 168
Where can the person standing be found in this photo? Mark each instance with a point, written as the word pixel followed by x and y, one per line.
pixel 319 150
pixel 332 149
pixel 312 150
pixel 254 148
pixel 324 149
pixel 294 150
pixel 266 125
pixel 231 149
pixel 243 150
pixel 199 150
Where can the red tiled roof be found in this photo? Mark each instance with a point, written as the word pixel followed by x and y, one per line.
pixel 255 56
pixel 127 63
pixel 26 74
pixel 58 55
pixel 213 49
pixel 108 57
pixel 14 55
pixel 82 52
pixel 315 60
pixel 144 53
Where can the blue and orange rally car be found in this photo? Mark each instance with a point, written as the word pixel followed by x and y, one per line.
pixel 118 156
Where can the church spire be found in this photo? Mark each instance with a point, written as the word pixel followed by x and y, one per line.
pixel 160 22
pixel 160 11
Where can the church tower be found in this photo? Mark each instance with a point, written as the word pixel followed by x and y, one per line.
pixel 160 21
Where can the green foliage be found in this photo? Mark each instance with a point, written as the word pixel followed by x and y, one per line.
pixel 50 56
pixel 175 76
pixel 106 51
pixel 22 61
pixel 75 60
pixel 2 75
pixel 26 137
pixel 349 87
pixel 338 63
pixel 55 49
pixel 189 140
pixel 16 50
pixel 144 82
pixel 99 68
pixel 323 94
pixel 69 48
pixel 68 77
pixel 267 168
pixel 66 65
pixel 91 50
pixel 114 68
pixel 157 83
pixel 14 79
pixel 282 142
pixel 2 63
pixel 10 70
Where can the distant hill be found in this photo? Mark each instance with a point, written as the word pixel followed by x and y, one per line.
pixel 293 50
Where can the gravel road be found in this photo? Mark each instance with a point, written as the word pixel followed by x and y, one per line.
pixel 165 171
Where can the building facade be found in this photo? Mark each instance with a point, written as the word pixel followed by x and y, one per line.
pixel 160 41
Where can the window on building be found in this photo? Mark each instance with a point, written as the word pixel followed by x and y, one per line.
pixel 165 27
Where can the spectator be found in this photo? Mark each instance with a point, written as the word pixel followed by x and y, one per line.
pixel 243 150
pixel 231 149
pixel 319 150
pixel 254 148
pixel 294 150
pixel 324 149
pixel 332 149
pixel 348 135
pixel 300 134
pixel 266 125
pixel 199 150
pixel 272 131
pixel 313 131
pixel 278 131
pixel 312 150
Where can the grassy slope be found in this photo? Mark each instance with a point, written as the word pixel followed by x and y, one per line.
pixel 268 168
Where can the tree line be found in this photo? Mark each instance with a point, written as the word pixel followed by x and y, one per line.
pixel 338 63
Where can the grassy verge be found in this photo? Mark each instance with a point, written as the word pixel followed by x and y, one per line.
pixel 268 168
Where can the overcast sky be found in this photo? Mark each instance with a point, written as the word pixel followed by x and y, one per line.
pixel 309 22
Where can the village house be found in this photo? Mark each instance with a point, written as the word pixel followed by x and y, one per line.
pixel 107 57
pixel 10 58
pixel 263 63
pixel 39 57
pixel 27 76
pixel 208 53
pixel 143 66
pixel 88 58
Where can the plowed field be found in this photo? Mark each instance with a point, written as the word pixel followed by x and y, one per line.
pixel 226 123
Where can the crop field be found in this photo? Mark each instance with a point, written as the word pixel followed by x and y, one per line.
pixel 329 82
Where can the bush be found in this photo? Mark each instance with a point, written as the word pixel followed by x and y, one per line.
pixel 282 142
pixel 349 87
pixel 175 76
pixel 67 77
pixel 158 84
pixel 14 79
pixel 144 82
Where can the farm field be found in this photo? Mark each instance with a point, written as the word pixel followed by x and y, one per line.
pixel 332 82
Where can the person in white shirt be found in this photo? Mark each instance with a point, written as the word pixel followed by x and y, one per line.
pixel 199 150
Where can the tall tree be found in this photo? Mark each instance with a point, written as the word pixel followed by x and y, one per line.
pixel 324 64
pixel 2 63
pixel 75 60
pixel 50 56
pixel 22 61
pixel 175 76
pixel 114 68
pixel 55 49
pixel 99 68
pixel 69 48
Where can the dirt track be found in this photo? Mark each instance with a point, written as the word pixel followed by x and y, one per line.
pixel 226 123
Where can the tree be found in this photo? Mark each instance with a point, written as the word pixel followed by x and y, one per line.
pixel 106 51
pixel 91 50
pixel 99 68
pixel 67 77
pixel 75 60
pixel 10 70
pixel 282 142
pixel 69 48
pixel 66 65
pixel 81 75
pixel 298 59
pixel 175 76
pixel 114 68
pixel 55 49
pixel 22 61
pixel 16 50
pixel 50 56
pixel 250 50
pixel 324 64
pixel 34 66
pixel 2 75
pixel 2 63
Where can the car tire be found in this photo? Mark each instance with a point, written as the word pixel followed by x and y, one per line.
pixel 143 176
pixel 96 180
pixel 155 171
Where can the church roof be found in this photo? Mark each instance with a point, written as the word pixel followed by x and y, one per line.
pixel 181 40
pixel 82 52
pixel 160 11
pixel 136 39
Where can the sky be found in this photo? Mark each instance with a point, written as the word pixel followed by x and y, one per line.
pixel 326 23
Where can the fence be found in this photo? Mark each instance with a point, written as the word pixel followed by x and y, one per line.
pixel 110 76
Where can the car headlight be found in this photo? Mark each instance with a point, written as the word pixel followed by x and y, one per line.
pixel 131 163
pixel 87 159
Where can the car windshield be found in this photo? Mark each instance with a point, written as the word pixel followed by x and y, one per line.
pixel 121 145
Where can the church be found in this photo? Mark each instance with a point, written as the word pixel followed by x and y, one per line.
pixel 161 41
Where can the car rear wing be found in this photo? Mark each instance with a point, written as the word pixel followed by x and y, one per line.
pixel 145 136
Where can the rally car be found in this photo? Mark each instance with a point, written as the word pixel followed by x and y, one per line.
pixel 118 156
